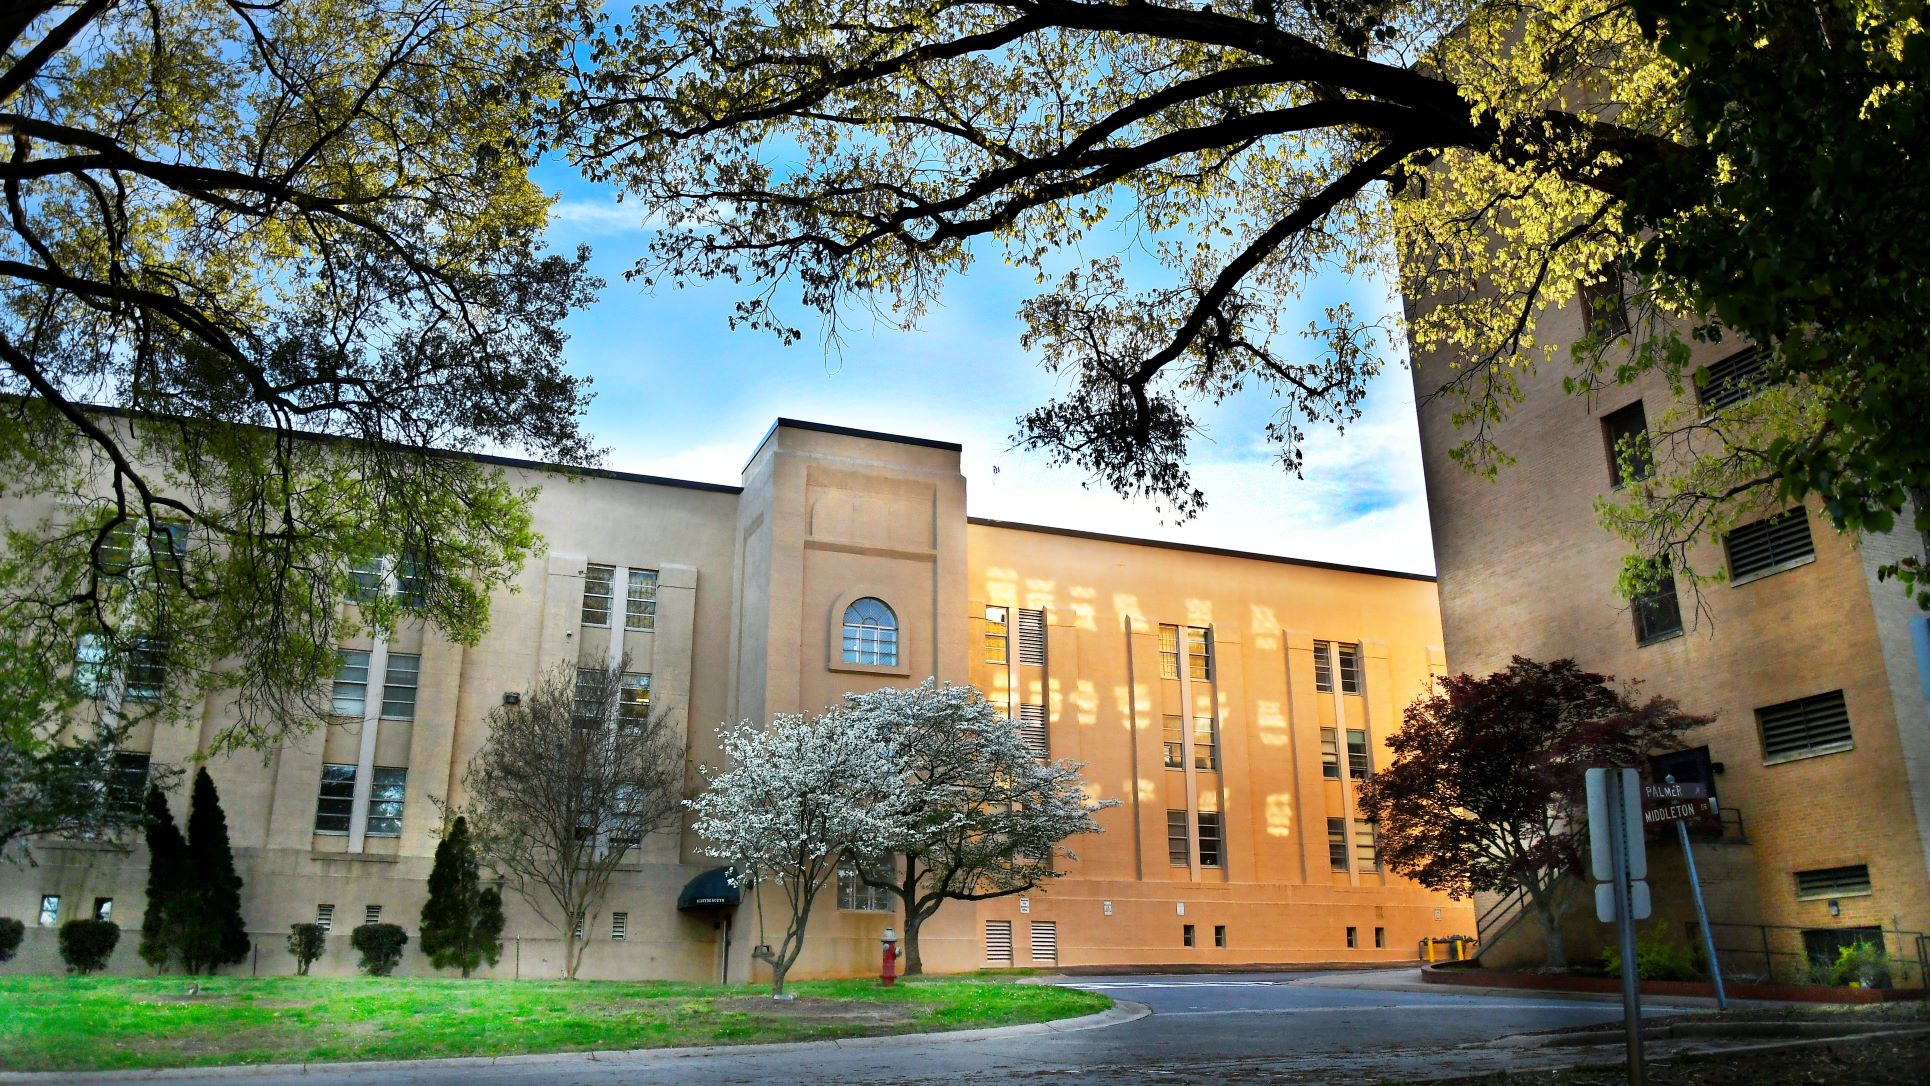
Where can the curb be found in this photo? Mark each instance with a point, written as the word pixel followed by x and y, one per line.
pixel 1121 1012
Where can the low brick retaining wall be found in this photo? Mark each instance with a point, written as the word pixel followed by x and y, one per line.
pixel 1472 975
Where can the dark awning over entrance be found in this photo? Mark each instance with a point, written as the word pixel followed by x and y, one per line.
pixel 710 890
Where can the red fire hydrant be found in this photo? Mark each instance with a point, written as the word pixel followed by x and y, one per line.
pixel 889 972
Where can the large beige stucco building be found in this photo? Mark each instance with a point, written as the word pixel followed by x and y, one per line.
pixel 1229 701
pixel 1820 751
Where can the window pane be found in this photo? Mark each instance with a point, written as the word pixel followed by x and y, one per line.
pixel 870 633
pixel 92 673
pixel 1175 743
pixel 385 801
pixel 1627 434
pixel 1177 846
pixel 398 687
pixel 998 636
pixel 1206 753
pixel 1330 754
pixel 1337 844
pixel 49 910
pixel 351 684
pixel 588 709
pixel 336 800
pixel 128 785
pixel 1357 754
pixel 365 576
pixel 1209 838
pixel 1366 855
pixel 633 711
pixel 410 583
pixel 1168 651
pixel 640 607
pixel 147 669
pixel 1323 667
pixel 596 594
pixel 1199 653
pixel 1349 668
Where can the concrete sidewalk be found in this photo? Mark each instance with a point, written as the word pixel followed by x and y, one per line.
pixel 1409 980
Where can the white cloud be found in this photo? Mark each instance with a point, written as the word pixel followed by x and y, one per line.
pixel 593 217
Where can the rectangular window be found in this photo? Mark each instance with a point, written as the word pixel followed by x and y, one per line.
pixel 624 803
pixel 998 942
pixel 49 910
pixel 1604 301
pixel 1353 938
pixel 1337 844
pixel 128 786
pixel 147 669
pixel 998 635
pixel 410 583
pixel 365 580
pixel 1206 746
pixel 1626 433
pixel 1032 637
pixel 855 895
pixel 1210 839
pixel 337 799
pixel 1199 653
pixel 93 675
pixel 351 696
pixel 398 686
pixel 1045 941
pixel 1168 651
pixel 1733 379
pixel 1851 881
pixel 1366 850
pixel 619 926
pixel 1178 848
pixel 1380 938
pixel 586 711
pixel 1806 726
pixel 1330 753
pixel 1357 766
pixel 372 914
pixel 1032 729
pixel 1323 667
pixel 1175 731
pixel 1186 935
pixel 1349 667
pixel 633 711
pixel 640 606
pixel 1781 540
pixel 104 909
pixel 1658 614
pixel 598 594
pixel 385 800
pixel 325 917
pixel 1219 936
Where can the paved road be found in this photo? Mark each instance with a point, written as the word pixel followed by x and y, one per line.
pixel 1262 1028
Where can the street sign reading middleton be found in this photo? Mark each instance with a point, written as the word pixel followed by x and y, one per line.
pixel 1674 802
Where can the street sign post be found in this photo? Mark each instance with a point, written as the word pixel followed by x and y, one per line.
pixel 1680 803
pixel 1618 857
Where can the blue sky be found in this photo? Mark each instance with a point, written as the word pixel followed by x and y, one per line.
pixel 680 394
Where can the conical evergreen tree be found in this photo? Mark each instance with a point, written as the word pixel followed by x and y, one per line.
pixel 212 932
pixel 167 868
pixel 462 923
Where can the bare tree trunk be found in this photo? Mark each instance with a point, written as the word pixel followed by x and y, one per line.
pixel 1554 948
pixel 914 963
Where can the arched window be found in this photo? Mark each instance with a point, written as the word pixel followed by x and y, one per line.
pixel 870 633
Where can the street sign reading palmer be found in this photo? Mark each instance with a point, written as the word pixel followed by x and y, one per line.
pixel 1674 802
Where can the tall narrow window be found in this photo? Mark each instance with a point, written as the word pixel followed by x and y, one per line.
pixel 633 708
pixel 1604 299
pixel 998 635
pixel 586 709
pixel 1168 651
pixel 1178 847
pixel 640 606
pixel 1626 432
pixel 1199 653
pixel 336 800
pixel 388 787
pixel 1337 844
pixel 49 910
pixel 1357 765
pixel 351 695
pixel 1330 753
pixel 127 787
pixel 399 685
pixel 93 672
pixel 365 580
pixel 1349 667
pixel 1366 852
pixel 1323 667
pixel 147 669
pixel 619 926
pixel 1175 743
pixel 1186 935
pixel 325 916
pixel 1210 851
pixel 1206 747
pixel 870 633
pixel 598 594
pixel 1658 614
pixel 410 583
pixel 1032 637
pixel 371 914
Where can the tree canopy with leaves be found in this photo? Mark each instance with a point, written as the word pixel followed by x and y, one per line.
pixel 254 257
pixel 1486 790
pixel 1753 161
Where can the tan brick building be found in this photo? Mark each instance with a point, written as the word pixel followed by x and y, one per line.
pixel 1230 701
pixel 1820 752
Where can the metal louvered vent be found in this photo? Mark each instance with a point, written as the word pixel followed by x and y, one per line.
pixel 1766 544
pixel 1032 637
pixel 1045 941
pixel 1032 728
pixel 1733 379
pixel 998 942
pixel 1814 725
pixel 1833 882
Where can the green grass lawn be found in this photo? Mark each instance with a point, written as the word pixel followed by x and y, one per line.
pixel 109 1023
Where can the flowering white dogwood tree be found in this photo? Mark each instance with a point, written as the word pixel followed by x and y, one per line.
pixel 796 800
pixel 982 816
